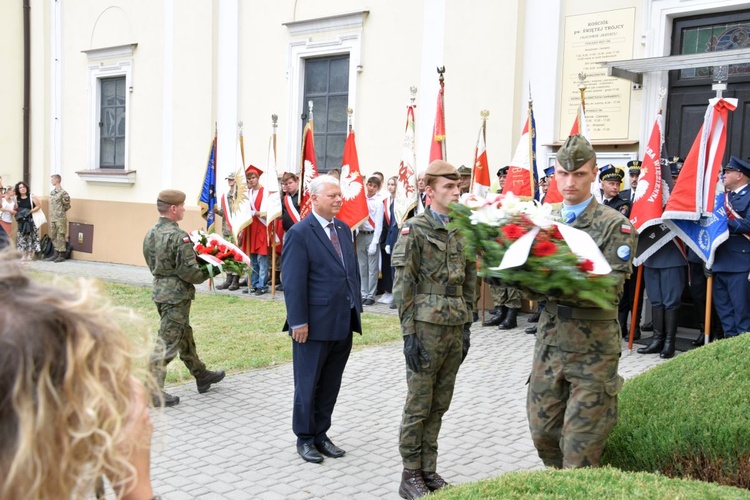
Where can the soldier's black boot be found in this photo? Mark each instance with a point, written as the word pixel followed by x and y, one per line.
pixel 670 333
pixel 657 341
pixel 227 282
pixel 52 257
pixel 205 379
pixel 60 257
pixel 412 484
pixel 498 318
pixel 622 318
pixel 510 320
pixel 433 481
pixel 648 327
pixel 235 282
pixel 167 399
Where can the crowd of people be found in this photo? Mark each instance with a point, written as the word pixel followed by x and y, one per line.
pixel 329 272
pixel 20 205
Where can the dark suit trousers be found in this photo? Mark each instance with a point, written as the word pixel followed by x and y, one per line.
pixel 318 368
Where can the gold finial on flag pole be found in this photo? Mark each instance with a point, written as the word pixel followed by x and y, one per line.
pixel 582 89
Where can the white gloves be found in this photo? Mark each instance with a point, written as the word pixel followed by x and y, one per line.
pixel 388 249
pixel 372 249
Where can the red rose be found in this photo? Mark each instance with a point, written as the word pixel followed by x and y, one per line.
pixel 237 257
pixel 543 249
pixel 586 266
pixel 556 233
pixel 513 231
pixel 200 248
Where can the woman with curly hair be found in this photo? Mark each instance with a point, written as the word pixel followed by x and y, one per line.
pixel 27 234
pixel 71 408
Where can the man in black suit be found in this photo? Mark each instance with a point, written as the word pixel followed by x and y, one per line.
pixel 321 291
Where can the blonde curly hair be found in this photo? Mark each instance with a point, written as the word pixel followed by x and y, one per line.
pixel 69 401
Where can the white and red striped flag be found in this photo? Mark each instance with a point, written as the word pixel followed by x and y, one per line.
pixel 481 174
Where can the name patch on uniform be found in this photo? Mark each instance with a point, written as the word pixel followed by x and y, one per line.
pixel 625 229
pixel 405 230
pixel 624 252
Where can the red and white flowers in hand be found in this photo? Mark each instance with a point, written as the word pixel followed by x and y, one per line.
pixel 522 244
pixel 217 252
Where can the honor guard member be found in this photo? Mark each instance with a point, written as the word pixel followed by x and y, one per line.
pixel 465 183
pixel 232 281
pixel 634 171
pixel 502 174
pixel 172 261
pixel 434 293
pixel 732 263
pixel 572 394
pixel 611 178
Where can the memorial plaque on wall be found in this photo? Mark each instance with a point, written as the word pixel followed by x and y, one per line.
pixel 589 40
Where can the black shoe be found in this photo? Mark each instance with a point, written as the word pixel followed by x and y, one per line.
pixel 392 306
pixel 531 330
pixel 329 449
pixel 510 320
pixel 534 318
pixel 243 282
pixel 412 484
pixel 261 291
pixel 167 399
pixel 368 302
pixel 474 317
pixel 251 290
pixel 205 379
pixel 494 320
pixel 648 327
pixel 309 453
pixel 279 287
pixel 433 481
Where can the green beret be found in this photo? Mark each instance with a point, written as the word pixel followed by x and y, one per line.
pixel 440 168
pixel 171 197
pixel 576 152
pixel 464 171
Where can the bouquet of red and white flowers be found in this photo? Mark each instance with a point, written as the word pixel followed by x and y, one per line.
pixel 216 252
pixel 521 243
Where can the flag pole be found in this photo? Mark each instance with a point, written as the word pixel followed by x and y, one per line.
pixel 634 309
pixel 532 166
pixel 272 235
pixel 441 79
pixel 709 301
pixel 582 90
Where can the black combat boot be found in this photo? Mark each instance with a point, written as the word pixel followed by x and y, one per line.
pixel 657 341
pixel 498 318
pixel 60 257
pixel 648 327
pixel 622 318
pixel 510 320
pixel 534 318
pixel 670 333
pixel 412 484
pixel 227 282
pixel 205 379
pixel 433 481
pixel 235 282
pixel 166 399
pixel 52 256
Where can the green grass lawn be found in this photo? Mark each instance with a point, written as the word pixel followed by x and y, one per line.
pixel 231 333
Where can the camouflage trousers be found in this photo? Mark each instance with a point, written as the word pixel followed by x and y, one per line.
pixel 429 395
pixel 506 296
pixel 175 337
pixel 58 233
pixel 572 405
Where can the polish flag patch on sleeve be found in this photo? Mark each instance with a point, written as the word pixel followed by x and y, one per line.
pixel 625 229
pixel 405 230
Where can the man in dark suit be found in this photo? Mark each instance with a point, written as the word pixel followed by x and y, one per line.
pixel 732 262
pixel 321 291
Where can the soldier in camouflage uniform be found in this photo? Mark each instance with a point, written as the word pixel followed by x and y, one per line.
pixel 507 302
pixel 172 261
pixel 59 204
pixel 572 394
pixel 434 291
pixel 232 281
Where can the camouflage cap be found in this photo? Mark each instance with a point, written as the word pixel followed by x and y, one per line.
pixel 171 197
pixel 464 171
pixel 440 168
pixel 575 153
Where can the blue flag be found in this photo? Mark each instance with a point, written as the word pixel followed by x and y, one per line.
pixel 207 200
pixel 706 234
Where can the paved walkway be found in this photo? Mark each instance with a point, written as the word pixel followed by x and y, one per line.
pixel 236 442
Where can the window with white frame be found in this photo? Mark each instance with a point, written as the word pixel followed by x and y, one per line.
pixel 112 122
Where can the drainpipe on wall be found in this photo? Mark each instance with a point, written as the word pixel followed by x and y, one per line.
pixel 26 88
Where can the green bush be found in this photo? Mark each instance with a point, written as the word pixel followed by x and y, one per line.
pixel 689 417
pixel 604 483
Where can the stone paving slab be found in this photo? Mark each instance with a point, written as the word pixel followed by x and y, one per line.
pixel 236 442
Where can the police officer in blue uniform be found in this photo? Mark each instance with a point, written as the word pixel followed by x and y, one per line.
pixel 611 178
pixel 634 171
pixel 732 262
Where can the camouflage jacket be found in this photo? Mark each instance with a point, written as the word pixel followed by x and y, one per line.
pixel 172 262
pixel 616 238
pixel 59 203
pixel 435 280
